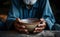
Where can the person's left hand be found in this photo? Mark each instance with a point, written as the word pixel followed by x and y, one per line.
pixel 41 26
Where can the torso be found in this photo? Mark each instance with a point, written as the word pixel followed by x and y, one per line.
pixel 34 12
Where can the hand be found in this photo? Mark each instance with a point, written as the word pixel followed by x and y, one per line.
pixel 41 26
pixel 19 27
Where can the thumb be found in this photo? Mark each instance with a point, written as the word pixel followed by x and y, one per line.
pixel 41 19
pixel 18 19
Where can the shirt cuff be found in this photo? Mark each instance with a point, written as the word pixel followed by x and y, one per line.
pixel 49 23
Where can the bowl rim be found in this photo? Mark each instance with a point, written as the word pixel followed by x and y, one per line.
pixel 33 22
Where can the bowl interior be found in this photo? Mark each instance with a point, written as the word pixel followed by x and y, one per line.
pixel 30 20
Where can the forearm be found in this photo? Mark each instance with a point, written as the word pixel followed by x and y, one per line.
pixel 48 15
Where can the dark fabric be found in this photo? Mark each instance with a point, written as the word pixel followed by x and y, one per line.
pixel 17 12
pixel 56 26
pixel 47 27
pixel 3 28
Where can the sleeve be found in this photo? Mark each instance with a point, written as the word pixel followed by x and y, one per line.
pixel 48 15
pixel 12 14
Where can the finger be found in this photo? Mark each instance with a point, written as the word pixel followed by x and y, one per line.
pixel 38 30
pixel 41 28
pixel 41 25
pixel 23 26
pixel 19 26
pixel 35 31
pixel 42 20
pixel 26 31
pixel 22 30
pixel 18 20
pixel 44 23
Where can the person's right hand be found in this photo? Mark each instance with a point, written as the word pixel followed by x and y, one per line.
pixel 19 27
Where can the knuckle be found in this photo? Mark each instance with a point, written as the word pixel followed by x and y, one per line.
pixel 23 26
pixel 26 30
pixel 36 28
